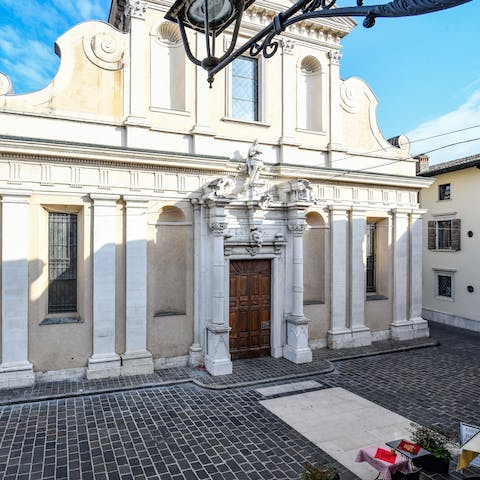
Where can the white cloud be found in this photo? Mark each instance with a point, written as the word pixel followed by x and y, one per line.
pixel 463 122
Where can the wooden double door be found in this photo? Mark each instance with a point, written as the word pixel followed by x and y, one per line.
pixel 250 285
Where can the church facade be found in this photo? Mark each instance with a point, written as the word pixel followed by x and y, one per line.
pixel 149 221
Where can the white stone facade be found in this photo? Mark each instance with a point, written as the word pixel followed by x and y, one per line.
pixel 166 198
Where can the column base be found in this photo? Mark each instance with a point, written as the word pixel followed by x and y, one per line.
pixel 346 338
pixel 195 355
pixel 218 360
pixel 297 350
pixel 410 329
pixel 16 375
pixel 137 363
pixel 103 366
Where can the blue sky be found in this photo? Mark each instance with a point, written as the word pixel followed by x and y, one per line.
pixel 425 71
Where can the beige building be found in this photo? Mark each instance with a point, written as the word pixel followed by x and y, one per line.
pixel 142 226
pixel 450 275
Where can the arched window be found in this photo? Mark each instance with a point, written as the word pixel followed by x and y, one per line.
pixel 309 94
pixel 168 69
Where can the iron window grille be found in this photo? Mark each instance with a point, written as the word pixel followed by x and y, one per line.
pixel 371 260
pixel 444 286
pixel 62 262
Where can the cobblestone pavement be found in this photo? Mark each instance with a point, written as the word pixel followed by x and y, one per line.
pixel 245 372
pixel 185 432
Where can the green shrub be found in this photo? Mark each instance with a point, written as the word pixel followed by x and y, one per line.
pixel 433 441
pixel 321 472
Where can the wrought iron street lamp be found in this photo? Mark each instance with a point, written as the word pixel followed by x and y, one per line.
pixel 212 17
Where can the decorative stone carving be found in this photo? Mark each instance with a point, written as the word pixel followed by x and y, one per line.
pixel 254 162
pixel 6 87
pixel 218 228
pixel 256 236
pixel 297 229
pixel 351 94
pixel 302 191
pixel 288 45
pixel 105 50
pixel 334 56
pixel 264 201
pixel 135 8
pixel 218 188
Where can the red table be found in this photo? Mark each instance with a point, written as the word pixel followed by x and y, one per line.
pixel 367 454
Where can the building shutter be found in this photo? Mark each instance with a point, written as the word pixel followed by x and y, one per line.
pixel 456 234
pixel 432 235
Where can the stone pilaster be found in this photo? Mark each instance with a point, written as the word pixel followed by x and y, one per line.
pixel 297 349
pixel 137 359
pixel 195 350
pixel 218 360
pixel 104 361
pixel 400 326
pixel 335 127
pixel 15 369
pixel 360 332
pixel 338 335
pixel 137 73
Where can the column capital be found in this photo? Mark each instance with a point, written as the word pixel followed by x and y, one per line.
pixel 218 228
pixel 135 9
pixel 132 201
pixel 298 229
pixel 401 211
pixel 15 196
pixel 358 212
pixel 104 198
pixel 339 208
pixel 418 213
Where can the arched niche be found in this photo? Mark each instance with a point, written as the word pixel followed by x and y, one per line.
pixel 309 94
pixel 170 262
pixel 314 258
pixel 168 68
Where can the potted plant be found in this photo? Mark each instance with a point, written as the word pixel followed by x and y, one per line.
pixel 320 472
pixel 436 443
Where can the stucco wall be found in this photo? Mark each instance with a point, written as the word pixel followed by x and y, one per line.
pixel 464 186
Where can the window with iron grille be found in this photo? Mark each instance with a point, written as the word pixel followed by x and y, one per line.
pixel 444 191
pixel 371 273
pixel 245 89
pixel 62 262
pixel 444 284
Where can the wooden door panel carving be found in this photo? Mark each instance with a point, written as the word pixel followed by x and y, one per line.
pixel 250 282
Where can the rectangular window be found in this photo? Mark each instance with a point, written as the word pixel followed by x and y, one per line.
pixel 371 270
pixel 444 284
pixel 245 89
pixel 444 234
pixel 444 192
pixel 62 262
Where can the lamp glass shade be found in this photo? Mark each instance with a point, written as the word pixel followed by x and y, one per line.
pixel 219 11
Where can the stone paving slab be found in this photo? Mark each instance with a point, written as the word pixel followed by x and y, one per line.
pixel 253 371
pixel 294 387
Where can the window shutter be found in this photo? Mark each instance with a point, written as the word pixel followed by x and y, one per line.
pixel 432 235
pixel 456 234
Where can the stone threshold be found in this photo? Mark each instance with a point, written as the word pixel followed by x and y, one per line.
pixel 246 373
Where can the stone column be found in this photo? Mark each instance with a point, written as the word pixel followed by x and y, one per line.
pixel 360 333
pixel 339 335
pixel 15 369
pixel 400 326
pixel 297 349
pixel 418 324
pixel 136 360
pixel 104 362
pixel 137 74
pixel 218 360
pixel 195 351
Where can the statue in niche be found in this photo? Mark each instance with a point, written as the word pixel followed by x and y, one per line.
pixel 254 162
